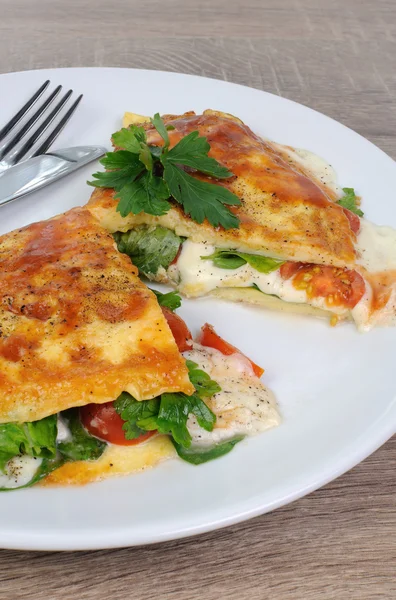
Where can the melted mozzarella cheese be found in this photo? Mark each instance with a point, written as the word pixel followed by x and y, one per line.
pixel 19 471
pixel 313 165
pixel 198 277
pixel 366 318
pixel 63 434
pixel 377 247
pixel 244 406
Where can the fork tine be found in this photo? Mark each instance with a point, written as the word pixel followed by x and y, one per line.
pixel 54 134
pixel 21 113
pixel 40 130
pixel 22 132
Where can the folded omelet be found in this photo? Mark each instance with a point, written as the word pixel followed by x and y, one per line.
pixel 93 383
pixel 77 324
pixel 296 248
pixel 282 213
pixel 77 327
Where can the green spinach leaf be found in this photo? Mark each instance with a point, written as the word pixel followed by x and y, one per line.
pixel 82 445
pixel 169 300
pixel 350 201
pixel 205 386
pixel 37 438
pixel 200 455
pixel 149 248
pixel 232 259
pixel 133 412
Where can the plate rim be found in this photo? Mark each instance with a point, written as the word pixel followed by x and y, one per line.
pixel 73 542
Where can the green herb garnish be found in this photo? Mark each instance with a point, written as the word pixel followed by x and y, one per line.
pixel 197 455
pixel 349 201
pixel 132 412
pixel 147 177
pixel 81 445
pixel 168 415
pixel 232 259
pixel 169 412
pixel 205 387
pixel 169 300
pixel 174 412
pixel 36 439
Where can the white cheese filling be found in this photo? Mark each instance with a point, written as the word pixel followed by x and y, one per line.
pixel 313 165
pixel 197 277
pixel 376 246
pixel 20 470
pixel 63 434
pixel 244 406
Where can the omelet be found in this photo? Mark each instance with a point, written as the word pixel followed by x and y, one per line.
pixel 282 213
pixel 320 258
pixel 80 332
pixel 77 325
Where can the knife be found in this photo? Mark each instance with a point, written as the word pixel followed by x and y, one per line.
pixel 35 173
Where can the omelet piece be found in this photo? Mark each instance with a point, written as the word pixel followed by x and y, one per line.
pixel 289 211
pixel 283 213
pixel 77 326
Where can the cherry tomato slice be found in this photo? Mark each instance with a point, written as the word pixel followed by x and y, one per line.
pixel 210 338
pixel 102 421
pixel 288 269
pixel 179 329
pixel 339 287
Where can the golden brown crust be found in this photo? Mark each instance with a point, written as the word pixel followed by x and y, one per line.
pixel 76 323
pixel 283 212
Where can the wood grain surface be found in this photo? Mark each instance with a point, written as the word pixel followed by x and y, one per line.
pixel 339 57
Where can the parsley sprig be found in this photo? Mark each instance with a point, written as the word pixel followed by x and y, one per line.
pixel 147 178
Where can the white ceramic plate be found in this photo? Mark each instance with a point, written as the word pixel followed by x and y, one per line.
pixel 335 387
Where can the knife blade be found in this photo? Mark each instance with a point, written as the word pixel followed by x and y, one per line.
pixel 35 173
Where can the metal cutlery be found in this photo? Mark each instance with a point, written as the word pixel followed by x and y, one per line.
pixel 25 164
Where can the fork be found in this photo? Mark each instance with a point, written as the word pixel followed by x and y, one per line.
pixel 14 147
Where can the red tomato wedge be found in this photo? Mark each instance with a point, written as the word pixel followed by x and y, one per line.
pixel 174 261
pixel 102 421
pixel 288 269
pixel 353 219
pixel 179 329
pixel 210 338
pixel 339 287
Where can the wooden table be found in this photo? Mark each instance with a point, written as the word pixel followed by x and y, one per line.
pixel 339 57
